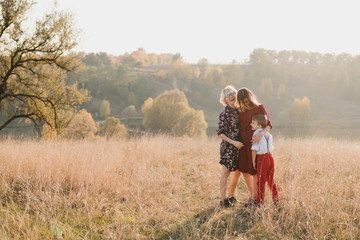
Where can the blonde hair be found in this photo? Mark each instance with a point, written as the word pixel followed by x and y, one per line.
pixel 224 92
pixel 243 94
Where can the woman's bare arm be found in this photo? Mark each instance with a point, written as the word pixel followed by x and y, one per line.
pixel 256 138
pixel 229 140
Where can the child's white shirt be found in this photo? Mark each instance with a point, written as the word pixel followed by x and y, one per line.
pixel 265 144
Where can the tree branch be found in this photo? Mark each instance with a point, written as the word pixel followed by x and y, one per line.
pixel 15 117
pixel 44 100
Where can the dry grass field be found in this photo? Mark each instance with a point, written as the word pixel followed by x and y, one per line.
pixel 167 188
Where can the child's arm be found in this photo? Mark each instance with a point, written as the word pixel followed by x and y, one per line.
pixel 253 157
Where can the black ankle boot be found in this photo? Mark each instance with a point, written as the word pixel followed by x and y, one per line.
pixel 232 200
pixel 225 203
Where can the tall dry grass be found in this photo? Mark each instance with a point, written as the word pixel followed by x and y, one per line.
pixel 167 188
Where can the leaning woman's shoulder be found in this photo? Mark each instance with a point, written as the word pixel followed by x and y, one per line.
pixel 260 109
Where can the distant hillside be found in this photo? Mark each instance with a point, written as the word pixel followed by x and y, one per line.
pixel 329 83
pixel 331 115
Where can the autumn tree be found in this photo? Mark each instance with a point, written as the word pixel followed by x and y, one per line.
pixel 131 99
pixel 82 126
pixel 97 59
pixel 180 70
pixel 129 112
pixel 282 92
pixel 204 68
pixel 105 108
pixel 301 110
pixel 266 88
pixel 49 133
pixel 216 76
pixel 234 73
pixel 33 65
pixel 192 124
pixel 170 113
pixel 113 128
pixel 129 61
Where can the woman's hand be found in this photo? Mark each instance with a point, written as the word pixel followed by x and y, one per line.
pixel 256 138
pixel 238 144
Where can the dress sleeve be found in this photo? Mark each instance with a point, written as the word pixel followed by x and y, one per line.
pixel 262 109
pixel 222 125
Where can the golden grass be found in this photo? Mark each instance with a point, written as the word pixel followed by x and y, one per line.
pixel 167 188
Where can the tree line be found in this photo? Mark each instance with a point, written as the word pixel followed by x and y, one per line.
pixel 273 72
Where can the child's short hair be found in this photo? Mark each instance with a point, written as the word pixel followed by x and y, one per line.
pixel 261 119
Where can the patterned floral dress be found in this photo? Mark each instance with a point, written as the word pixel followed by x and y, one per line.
pixel 229 125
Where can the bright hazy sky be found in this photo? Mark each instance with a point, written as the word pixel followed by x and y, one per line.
pixel 220 30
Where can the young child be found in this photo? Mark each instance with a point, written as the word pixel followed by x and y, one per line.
pixel 229 131
pixel 262 160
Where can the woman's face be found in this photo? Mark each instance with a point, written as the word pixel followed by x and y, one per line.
pixel 245 103
pixel 230 98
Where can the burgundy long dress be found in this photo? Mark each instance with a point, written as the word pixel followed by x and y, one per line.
pixel 245 162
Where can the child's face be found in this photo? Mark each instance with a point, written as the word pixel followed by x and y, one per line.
pixel 255 125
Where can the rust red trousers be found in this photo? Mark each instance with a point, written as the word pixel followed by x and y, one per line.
pixel 265 174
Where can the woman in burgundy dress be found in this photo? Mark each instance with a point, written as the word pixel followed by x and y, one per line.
pixel 249 106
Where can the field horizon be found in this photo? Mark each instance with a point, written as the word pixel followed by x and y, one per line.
pixel 161 187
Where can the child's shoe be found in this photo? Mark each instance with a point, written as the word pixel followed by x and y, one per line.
pixel 249 203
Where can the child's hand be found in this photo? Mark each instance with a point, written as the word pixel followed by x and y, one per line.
pixel 238 144
pixel 254 164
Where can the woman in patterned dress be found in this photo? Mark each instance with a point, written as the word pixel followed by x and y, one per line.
pixel 229 131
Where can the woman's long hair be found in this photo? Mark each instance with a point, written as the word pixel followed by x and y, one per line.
pixel 243 94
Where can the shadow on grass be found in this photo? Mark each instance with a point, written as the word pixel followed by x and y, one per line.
pixel 213 223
